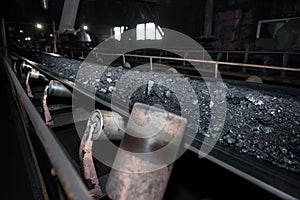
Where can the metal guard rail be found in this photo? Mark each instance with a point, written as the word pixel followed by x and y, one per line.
pixel 68 177
pixel 215 63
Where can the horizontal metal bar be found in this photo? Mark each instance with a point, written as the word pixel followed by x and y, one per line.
pixel 69 179
pixel 215 51
pixel 206 61
pixel 214 62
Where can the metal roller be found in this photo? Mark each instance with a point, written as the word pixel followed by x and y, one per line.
pixel 34 75
pixel 58 89
pixel 24 65
pixel 37 75
pixel 113 125
pixel 133 179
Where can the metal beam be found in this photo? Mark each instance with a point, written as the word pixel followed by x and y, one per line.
pixel 208 20
pixel 4 41
pixel 68 16
pixel 45 4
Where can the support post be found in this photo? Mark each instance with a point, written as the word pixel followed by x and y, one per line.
pixel 68 16
pixel 216 69
pixel 124 61
pixel 151 64
pixel 285 60
pixel 246 57
pixel 208 20
pixel 54 38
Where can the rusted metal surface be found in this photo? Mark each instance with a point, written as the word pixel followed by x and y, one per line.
pixel 134 181
pixel 47 115
pixel 28 89
pixel 92 132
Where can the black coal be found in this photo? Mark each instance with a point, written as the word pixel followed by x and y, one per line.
pixel 259 123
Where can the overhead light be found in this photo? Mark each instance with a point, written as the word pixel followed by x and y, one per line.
pixel 39 26
pixel 19 40
pixel 21 31
pixel 85 27
pixel 51 35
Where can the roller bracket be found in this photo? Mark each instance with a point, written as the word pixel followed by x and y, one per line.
pixel 92 132
pixel 47 115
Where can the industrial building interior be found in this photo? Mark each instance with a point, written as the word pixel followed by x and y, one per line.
pixel 150 99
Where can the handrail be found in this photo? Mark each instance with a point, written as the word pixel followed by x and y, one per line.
pixel 219 51
pixel 69 178
pixel 216 63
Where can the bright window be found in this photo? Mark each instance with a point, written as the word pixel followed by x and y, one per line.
pixel 118 30
pixel 140 32
pixel 149 31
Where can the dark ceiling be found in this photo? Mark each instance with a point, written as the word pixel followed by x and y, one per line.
pixel 176 14
pixel 125 11
pixel 31 10
pixel 185 16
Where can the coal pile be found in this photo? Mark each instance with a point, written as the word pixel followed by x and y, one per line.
pixel 260 123
pixel 61 66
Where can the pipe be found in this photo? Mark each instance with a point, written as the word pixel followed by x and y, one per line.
pixel 130 177
pixel 92 132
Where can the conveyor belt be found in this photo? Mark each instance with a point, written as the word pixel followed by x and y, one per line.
pixel 279 180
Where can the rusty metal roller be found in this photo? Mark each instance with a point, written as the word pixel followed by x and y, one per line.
pixel 141 169
pixel 58 89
